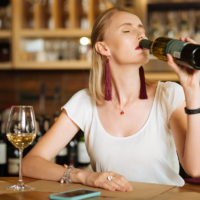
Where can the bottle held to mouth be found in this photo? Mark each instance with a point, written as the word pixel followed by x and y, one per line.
pixel 184 53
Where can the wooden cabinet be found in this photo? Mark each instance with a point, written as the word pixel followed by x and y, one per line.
pixel 5 35
pixel 38 21
pixel 52 23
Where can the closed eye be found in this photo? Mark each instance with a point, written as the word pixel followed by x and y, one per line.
pixel 126 31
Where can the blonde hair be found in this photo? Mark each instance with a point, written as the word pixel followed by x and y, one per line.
pixel 97 72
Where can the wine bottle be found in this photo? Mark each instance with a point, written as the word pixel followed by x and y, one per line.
pixel 3 152
pixel 38 136
pixel 83 157
pixel 42 99
pixel 72 146
pixel 45 124
pixel 13 160
pixel 62 157
pixel 56 102
pixel 184 53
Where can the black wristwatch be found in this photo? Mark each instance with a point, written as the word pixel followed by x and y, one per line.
pixel 192 111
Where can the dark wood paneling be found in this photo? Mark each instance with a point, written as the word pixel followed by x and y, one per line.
pixel 23 87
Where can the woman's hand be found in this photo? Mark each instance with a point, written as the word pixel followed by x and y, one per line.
pixel 188 77
pixel 107 180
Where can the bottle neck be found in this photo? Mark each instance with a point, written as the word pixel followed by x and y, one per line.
pixel 145 44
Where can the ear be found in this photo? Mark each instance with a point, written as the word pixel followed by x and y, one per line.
pixel 102 49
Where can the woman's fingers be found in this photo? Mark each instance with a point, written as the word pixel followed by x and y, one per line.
pixel 119 183
pixel 187 39
pixel 110 181
pixel 124 185
pixel 172 64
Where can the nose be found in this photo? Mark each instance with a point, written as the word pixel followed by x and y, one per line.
pixel 141 36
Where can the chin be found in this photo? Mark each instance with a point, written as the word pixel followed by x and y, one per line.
pixel 145 61
pixel 145 58
pixel 142 61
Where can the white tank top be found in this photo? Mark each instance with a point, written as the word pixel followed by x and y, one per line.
pixel 146 156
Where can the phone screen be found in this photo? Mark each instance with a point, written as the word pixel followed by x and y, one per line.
pixel 74 193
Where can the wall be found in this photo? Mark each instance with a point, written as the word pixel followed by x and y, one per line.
pixel 23 87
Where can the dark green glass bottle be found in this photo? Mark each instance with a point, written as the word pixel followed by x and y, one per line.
pixel 184 53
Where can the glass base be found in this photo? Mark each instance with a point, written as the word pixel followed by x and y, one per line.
pixel 19 187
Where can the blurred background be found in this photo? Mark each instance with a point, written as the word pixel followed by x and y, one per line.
pixel 45 50
pixel 45 45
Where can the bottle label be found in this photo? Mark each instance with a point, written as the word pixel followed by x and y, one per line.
pixel 3 153
pixel 46 125
pixel 174 47
pixel 13 166
pixel 83 156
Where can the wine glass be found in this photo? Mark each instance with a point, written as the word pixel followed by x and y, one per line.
pixel 21 131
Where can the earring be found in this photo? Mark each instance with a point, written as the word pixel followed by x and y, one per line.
pixel 143 91
pixel 108 86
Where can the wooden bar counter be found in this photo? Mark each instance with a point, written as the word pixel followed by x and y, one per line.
pixel 140 191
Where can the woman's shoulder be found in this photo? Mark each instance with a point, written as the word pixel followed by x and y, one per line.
pixel 169 84
pixel 82 96
pixel 82 93
pixel 170 92
pixel 169 87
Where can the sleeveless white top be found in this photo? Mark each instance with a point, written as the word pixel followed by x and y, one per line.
pixel 146 156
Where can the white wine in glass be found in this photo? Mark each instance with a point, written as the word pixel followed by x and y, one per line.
pixel 21 131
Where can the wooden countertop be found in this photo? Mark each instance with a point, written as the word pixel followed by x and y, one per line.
pixel 140 191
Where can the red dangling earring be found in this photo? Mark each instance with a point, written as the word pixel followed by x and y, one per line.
pixel 143 91
pixel 108 86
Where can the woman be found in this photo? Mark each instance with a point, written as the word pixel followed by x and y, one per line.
pixel 133 131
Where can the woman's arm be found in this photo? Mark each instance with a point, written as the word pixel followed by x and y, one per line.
pixel 186 131
pixel 186 128
pixel 37 163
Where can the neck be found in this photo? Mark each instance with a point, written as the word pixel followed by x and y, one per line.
pixel 126 84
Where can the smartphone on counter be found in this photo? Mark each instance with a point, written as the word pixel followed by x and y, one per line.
pixel 75 194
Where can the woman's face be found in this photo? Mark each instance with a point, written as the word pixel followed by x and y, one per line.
pixel 122 36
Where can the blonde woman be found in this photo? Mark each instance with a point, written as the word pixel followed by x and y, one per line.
pixel 134 131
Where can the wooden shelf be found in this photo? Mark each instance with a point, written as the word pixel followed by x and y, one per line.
pixel 6 65
pixel 164 76
pixel 28 33
pixel 4 34
pixel 57 65
pixel 49 22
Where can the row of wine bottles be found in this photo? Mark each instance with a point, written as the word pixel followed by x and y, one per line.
pixel 74 153
pixel 173 21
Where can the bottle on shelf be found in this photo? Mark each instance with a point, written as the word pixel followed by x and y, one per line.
pixel 39 133
pixel 171 26
pixel 62 157
pixel 185 54
pixel 3 151
pixel 56 102
pixel 5 14
pixel 5 51
pixel 72 146
pixel 197 28
pixel 42 99
pixel 184 25
pixel 83 157
pixel 38 136
pixel 156 25
pixel 13 160
pixel 45 125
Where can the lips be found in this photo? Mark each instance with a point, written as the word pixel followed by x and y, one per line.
pixel 138 47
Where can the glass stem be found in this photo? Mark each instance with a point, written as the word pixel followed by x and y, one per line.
pixel 20 181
